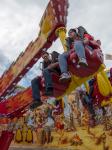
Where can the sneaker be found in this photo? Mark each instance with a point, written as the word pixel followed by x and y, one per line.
pixel 49 91
pixel 65 77
pixel 83 62
pixel 35 104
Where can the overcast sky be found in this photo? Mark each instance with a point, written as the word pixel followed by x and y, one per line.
pixel 19 24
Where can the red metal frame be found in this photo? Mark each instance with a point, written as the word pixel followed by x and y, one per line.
pixel 98 97
pixel 15 105
pixel 58 12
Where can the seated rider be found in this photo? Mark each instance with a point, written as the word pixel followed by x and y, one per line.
pixel 53 67
pixel 48 67
pixel 75 41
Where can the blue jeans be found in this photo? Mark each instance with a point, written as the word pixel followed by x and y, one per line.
pixel 62 59
pixel 79 49
pixel 48 78
pixel 35 84
pixel 35 89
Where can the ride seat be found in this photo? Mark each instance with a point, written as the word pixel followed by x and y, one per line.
pixel 94 59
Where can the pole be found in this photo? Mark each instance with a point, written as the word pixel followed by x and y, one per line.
pixel 61 32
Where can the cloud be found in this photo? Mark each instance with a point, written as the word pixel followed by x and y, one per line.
pixel 19 24
pixel 95 16
pixel 4 62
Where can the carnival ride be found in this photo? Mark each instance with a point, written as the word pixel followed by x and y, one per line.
pixel 52 26
pixel 54 19
pixel 102 93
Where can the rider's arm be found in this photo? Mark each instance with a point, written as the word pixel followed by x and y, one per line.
pixel 68 43
pixel 43 65
pixel 53 65
pixel 87 38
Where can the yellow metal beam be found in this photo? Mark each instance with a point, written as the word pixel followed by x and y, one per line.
pixel 61 33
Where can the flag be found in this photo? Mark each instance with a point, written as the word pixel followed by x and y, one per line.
pixel 108 56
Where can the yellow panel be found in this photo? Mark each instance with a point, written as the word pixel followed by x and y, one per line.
pixel 48 22
pixel 77 81
pixel 104 84
pixel 61 32
pixel 106 102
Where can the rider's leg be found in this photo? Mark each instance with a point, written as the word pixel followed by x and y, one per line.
pixel 80 50
pixel 48 81
pixel 62 59
pixel 35 93
pixel 35 89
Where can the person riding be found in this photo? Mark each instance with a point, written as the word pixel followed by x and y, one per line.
pixel 78 37
pixel 49 65
pixel 46 60
pixel 53 67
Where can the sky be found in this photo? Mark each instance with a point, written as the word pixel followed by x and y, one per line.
pixel 19 24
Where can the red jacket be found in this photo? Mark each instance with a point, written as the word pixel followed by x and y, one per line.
pixel 88 36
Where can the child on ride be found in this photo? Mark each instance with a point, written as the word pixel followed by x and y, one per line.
pixel 78 37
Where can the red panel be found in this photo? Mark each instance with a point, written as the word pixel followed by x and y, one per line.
pixel 5 140
pixel 94 60
pixel 15 105
pixel 98 97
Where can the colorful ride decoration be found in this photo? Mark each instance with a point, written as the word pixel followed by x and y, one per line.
pixel 102 93
pixel 5 139
pixel 29 136
pixel 4 121
pixel 58 108
pixel 44 136
pixel 79 73
pixel 76 140
pixel 18 136
pixel 15 106
pixel 54 19
pixel 52 25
